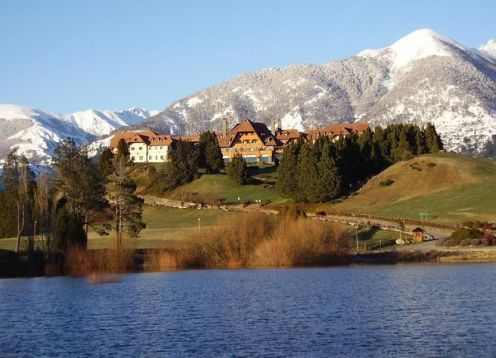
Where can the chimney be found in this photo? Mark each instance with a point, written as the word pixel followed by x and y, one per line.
pixel 224 127
pixel 273 125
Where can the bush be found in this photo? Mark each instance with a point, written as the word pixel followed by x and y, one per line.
pixel 387 182
pixel 463 234
pixel 465 242
pixel 441 242
pixel 450 243
pixel 292 211
pixel 475 242
pixel 431 164
pixel 237 170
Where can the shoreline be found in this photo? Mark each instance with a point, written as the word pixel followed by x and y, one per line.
pixel 398 257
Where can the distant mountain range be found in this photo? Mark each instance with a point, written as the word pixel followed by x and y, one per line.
pixel 423 77
pixel 35 133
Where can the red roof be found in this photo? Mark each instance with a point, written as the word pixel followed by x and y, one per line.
pixel 247 126
pixel 148 137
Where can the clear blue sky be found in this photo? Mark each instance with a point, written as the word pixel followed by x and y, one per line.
pixel 70 55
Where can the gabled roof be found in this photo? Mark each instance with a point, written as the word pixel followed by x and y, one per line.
pixel 247 126
pixel 418 229
pixel 148 137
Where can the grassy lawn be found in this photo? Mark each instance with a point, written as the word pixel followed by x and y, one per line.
pixel 166 228
pixel 218 187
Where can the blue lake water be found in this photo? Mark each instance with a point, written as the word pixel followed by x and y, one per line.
pixel 404 310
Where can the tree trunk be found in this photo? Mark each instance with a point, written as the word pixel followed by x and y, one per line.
pixel 20 224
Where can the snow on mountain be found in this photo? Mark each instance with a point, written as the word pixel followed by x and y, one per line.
pixel 35 132
pixel 423 77
pixel 415 46
pixel 489 49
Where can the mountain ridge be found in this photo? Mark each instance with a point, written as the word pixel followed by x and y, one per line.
pixel 35 132
pixel 423 77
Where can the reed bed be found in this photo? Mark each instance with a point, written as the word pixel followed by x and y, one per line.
pixel 85 262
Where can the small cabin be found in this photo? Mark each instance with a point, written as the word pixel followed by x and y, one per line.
pixel 418 234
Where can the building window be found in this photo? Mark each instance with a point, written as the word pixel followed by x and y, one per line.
pixel 160 147
pixel 161 157
pixel 132 158
pixel 132 148
pixel 140 148
pixel 150 157
pixel 141 157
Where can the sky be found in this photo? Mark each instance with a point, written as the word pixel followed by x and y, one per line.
pixel 68 55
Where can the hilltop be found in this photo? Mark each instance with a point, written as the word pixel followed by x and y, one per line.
pixel 449 188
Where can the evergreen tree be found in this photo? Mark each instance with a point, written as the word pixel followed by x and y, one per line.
pixel 237 170
pixel 308 174
pixel 330 180
pixel 183 165
pixel 432 138
pixel 209 153
pixel 78 179
pixel 420 143
pixel 68 231
pixel 121 190
pixel 287 184
pixel 105 164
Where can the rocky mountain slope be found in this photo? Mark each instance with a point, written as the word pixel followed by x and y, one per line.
pixel 423 77
pixel 35 132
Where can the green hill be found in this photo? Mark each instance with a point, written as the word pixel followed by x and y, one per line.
pixel 216 187
pixel 450 188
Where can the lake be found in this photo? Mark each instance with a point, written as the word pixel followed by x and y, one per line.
pixel 415 310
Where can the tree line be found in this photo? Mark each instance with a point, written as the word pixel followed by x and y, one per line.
pixel 324 169
pixel 60 206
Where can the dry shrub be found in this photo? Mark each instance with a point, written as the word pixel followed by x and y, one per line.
pixel 84 262
pixel 255 239
pixel 161 259
pixel 302 242
pixel 230 244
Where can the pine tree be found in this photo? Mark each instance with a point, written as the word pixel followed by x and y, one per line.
pixel 420 143
pixel 121 190
pixel 433 140
pixel 183 165
pixel 78 179
pixel 237 170
pixel 330 180
pixel 105 164
pixel 287 184
pixel 209 153
pixel 308 174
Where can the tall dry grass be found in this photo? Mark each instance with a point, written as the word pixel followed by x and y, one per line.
pixel 160 259
pixel 302 242
pixel 230 244
pixel 85 262
pixel 258 240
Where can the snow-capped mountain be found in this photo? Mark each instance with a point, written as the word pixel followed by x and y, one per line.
pixel 423 77
pixel 35 132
